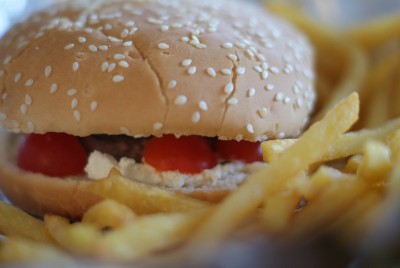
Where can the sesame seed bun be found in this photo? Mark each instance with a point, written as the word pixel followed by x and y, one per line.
pixel 143 68
pixel 212 68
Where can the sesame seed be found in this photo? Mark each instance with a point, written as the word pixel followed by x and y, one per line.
pixel 118 78
pixel 7 59
pixel 24 108
pixel 172 84
pixel 17 77
pixel 192 70
pixel 260 57
pixel 31 127
pixel 29 82
pixel 77 115
pixel 212 29
pixel 72 92
pixel 124 33
pixel 228 88
pixel 108 27
pixel 211 72
pixel 127 44
pixel 185 39
pixel 233 101
pixel 164 28
pixel 111 67
pixel 119 56
pixel 241 70
pixel 123 64
pixel 74 103
pixel 129 23
pixel 157 126
pixel 114 39
pixel 269 87
pixel 81 39
pixel 233 57
pixel 262 112
pixel 258 69
pixel 89 30
pixel 53 88
pixel 93 105
pixel 249 53
pixel 264 75
pixel 287 100
pixel 274 69
pixel 227 45
pixel 47 71
pixel 226 71
pixel 163 46
pixel 93 48
pixel 75 66
pixel 69 46
pixel 104 66
pixel 299 102
pixel 251 92
pixel 176 25
pixel 28 99
pixel 250 128
pixel 180 100
pixel 186 62
pixel 201 46
pixel 103 48
pixel 265 66
pixel 278 97
pixel 203 105
pixel 196 117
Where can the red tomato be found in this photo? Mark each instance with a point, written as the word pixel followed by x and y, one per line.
pixel 52 154
pixel 239 150
pixel 186 154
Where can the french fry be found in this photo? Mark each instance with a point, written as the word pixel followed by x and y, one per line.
pixel 21 250
pixel 108 213
pixel 332 202
pixel 376 163
pixel 376 33
pixel 148 234
pixel 273 148
pixel 278 211
pixel 243 202
pixel 15 222
pixel 353 163
pixel 78 238
pixel 143 198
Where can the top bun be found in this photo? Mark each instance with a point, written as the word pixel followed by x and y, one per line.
pixel 211 68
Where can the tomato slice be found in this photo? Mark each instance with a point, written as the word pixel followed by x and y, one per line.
pixel 52 154
pixel 186 154
pixel 245 151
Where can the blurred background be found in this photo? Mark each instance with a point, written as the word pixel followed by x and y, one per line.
pixel 338 13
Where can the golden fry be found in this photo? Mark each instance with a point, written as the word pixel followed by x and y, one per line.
pixel 15 222
pixel 78 238
pixel 143 198
pixel 108 213
pixel 376 163
pixel 243 202
pixel 21 250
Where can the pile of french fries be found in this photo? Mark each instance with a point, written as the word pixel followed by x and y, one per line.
pixel 341 176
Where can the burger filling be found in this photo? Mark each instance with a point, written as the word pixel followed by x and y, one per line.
pixel 169 161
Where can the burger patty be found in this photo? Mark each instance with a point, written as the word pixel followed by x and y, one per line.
pixel 116 145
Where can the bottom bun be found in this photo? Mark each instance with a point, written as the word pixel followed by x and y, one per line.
pixel 69 197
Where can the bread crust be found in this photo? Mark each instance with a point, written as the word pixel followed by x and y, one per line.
pixel 116 67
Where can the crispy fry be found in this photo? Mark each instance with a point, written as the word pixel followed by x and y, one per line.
pixel 108 213
pixel 22 250
pixel 248 197
pixel 15 222
pixel 143 198
pixel 78 238
pixel 376 163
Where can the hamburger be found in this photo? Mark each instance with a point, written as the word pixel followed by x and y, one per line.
pixel 177 94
